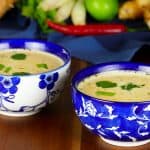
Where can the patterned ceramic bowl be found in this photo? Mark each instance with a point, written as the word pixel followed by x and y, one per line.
pixel 24 95
pixel 117 123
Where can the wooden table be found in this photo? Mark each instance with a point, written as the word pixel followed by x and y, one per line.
pixel 57 127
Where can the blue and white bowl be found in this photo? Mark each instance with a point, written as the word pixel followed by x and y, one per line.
pixel 26 95
pixel 117 123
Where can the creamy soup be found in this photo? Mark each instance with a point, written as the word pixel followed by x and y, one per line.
pixel 24 62
pixel 117 86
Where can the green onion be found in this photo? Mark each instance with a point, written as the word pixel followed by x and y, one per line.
pixel 105 93
pixel 7 69
pixel 2 66
pixel 42 66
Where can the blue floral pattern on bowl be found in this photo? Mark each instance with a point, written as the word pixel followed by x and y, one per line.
pixel 9 84
pixel 48 81
pixel 116 121
pixel 8 89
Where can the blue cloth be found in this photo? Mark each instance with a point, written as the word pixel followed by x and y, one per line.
pixel 94 49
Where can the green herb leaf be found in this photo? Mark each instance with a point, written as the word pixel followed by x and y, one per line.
pixel 130 86
pixel 27 11
pixel 20 73
pixel 32 9
pixel 42 66
pixel 51 14
pixel 41 16
pixel 19 56
pixel 105 93
pixel 106 84
pixel 2 66
pixel 7 69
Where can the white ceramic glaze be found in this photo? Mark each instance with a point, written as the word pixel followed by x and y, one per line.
pixel 125 144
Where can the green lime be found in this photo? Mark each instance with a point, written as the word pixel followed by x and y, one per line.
pixel 102 10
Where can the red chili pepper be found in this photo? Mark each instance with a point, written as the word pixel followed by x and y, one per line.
pixel 90 29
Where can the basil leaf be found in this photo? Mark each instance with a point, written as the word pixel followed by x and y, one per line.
pixel 106 84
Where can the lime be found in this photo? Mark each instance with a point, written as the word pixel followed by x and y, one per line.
pixel 102 10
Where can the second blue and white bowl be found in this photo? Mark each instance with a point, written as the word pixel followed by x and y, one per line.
pixel 118 123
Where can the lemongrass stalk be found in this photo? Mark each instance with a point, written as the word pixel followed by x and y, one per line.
pixel 147 17
pixel 64 11
pixel 51 4
pixel 78 14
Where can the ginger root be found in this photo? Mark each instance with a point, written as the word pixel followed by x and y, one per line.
pixel 143 3
pixel 6 5
pixel 134 9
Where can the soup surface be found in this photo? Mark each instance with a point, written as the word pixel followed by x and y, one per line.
pixel 117 86
pixel 24 62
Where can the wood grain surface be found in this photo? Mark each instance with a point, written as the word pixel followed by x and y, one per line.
pixel 57 127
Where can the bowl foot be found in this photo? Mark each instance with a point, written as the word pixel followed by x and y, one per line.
pixel 125 144
pixel 18 114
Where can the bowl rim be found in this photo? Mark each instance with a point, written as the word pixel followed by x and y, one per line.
pixel 79 76
pixel 48 44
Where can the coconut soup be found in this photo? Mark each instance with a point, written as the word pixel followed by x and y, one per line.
pixel 117 86
pixel 24 62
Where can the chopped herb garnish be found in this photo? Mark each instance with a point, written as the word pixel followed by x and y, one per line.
pixel 130 86
pixel 105 93
pixel 20 73
pixel 7 69
pixel 106 84
pixel 2 66
pixel 42 66
pixel 19 56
